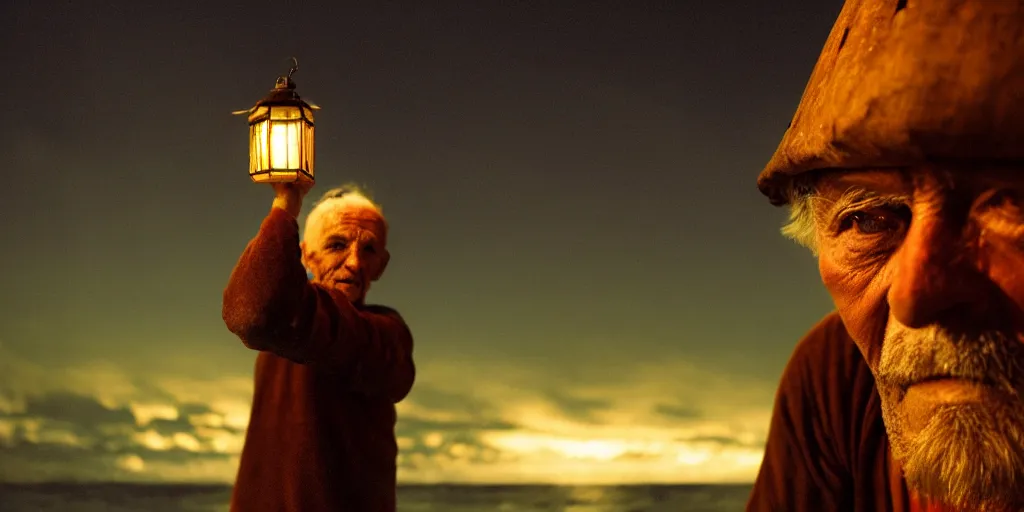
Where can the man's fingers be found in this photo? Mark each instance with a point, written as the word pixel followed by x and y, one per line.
pixel 296 189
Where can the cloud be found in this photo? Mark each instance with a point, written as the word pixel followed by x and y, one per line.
pixel 81 411
pixel 673 411
pixel 413 426
pixel 64 435
pixel 482 422
pixel 652 423
pixel 579 408
pixel 94 422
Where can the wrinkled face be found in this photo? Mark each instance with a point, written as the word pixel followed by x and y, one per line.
pixel 345 249
pixel 926 267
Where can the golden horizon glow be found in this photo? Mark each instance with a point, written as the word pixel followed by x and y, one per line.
pixel 196 432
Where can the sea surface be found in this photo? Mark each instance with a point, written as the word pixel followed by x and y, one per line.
pixel 411 498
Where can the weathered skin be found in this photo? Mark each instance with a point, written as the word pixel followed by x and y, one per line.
pixel 905 165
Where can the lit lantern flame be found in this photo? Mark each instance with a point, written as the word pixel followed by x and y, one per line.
pixel 281 135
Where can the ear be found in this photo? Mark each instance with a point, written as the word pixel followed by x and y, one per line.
pixel 305 256
pixel 385 258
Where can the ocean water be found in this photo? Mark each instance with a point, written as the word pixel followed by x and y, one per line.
pixel 411 498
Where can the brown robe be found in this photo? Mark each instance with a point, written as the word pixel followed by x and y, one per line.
pixel 827 448
pixel 321 433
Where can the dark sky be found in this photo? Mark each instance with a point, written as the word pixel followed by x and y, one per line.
pixel 578 244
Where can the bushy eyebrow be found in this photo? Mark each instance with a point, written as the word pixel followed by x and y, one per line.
pixel 854 198
pixel 371 240
pixel 336 238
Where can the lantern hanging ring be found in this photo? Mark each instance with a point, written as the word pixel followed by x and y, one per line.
pixel 294 68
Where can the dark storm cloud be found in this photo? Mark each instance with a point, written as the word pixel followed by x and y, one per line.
pixel 678 412
pixel 65 435
pixel 723 441
pixel 26 461
pixel 169 427
pixel 433 442
pixel 463 446
pixel 587 410
pixel 436 398
pixel 83 412
pixel 636 455
pixel 145 387
pixel 413 426
pixel 459 444
pixel 194 409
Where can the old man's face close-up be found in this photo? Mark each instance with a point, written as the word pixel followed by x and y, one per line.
pixel 346 245
pixel 924 266
pixel 902 169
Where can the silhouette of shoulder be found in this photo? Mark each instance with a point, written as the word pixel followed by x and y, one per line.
pixel 378 309
pixel 826 444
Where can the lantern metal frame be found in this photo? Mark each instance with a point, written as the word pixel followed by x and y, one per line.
pixel 282 108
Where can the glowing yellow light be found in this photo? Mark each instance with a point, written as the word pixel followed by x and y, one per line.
pixel 692 457
pixel 153 440
pixel 145 413
pixel 281 135
pixel 592 449
pixel 433 439
pixel 186 442
pixel 6 432
pixel 132 463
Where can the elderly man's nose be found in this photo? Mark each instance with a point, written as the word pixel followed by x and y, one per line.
pixel 352 261
pixel 934 277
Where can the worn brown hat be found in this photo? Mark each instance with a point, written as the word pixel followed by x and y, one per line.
pixel 904 82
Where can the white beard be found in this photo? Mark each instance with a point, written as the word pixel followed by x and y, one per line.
pixel 967 455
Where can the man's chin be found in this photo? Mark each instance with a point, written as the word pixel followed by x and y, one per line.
pixel 353 292
pixel 968 454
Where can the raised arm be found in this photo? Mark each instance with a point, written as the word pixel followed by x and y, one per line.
pixel 270 304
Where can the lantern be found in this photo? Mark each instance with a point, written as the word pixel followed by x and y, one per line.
pixel 281 134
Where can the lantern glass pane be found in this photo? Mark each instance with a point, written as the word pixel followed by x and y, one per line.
pixel 258 148
pixel 307 148
pixel 285 145
pixel 259 113
pixel 285 112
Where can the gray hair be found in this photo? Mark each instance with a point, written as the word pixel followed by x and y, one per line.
pixel 807 208
pixel 348 192
pixel 802 225
pixel 344 190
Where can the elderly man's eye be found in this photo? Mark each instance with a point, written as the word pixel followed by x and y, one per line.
pixel 877 221
pixel 1007 202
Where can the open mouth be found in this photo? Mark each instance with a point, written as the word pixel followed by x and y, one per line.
pixel 348 281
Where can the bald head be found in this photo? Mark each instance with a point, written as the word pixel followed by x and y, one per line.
pixel 345 242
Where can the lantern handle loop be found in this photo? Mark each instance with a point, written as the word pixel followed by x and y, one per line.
pixel 294 68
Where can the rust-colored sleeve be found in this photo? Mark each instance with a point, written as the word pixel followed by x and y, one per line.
pixel 806 466
pixel 271 305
